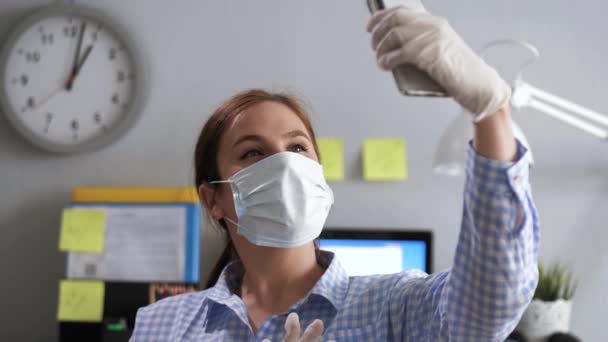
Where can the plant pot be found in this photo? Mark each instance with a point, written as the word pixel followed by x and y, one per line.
pixel 542 319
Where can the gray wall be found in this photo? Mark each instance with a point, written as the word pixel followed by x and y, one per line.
pixel 201 52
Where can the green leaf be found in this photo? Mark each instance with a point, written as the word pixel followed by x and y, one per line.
pixel 555 282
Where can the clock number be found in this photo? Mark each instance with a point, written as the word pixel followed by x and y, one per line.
pixel 115 99
pixel 32 57
pixel 75 126
pixel 24 80
pixel 120 76
pixel 112 53
pixel 49 119
pixel 95 34
pixel 70 31
pixel 31 102
pixel 97 117
pixel 47 39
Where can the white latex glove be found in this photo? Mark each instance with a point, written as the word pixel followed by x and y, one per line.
pixel 411 35
pixel 292 328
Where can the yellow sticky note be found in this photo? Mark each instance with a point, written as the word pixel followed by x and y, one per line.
pixel 384 159
pixel 82 230
pixel 80 301
pixel 332 158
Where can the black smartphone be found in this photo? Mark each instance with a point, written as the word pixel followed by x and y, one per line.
pixel 411 81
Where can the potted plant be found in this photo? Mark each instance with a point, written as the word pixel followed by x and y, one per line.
pixel 549 311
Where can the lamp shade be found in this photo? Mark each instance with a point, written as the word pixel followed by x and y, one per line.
pixel 449 159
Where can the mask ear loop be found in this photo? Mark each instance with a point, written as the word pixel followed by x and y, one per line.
pixel 218 225
pixel 221 182
pixel 226 218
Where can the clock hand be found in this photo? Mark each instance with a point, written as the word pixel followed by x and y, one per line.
pixel 69 83
pixel 86 54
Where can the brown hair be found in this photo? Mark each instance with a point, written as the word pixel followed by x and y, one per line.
pixel 207 147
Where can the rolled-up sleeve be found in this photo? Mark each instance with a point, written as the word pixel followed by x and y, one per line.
pixel 495 267
pixel 494 273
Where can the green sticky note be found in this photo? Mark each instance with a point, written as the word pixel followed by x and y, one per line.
pixel 384 159
pixel 82 230
pixel 80 301
pixel 332 158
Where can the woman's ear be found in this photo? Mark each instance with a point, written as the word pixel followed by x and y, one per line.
pixel 206 193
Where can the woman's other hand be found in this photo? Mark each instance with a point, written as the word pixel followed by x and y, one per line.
pixel 312 333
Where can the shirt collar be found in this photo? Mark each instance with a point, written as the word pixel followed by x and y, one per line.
pixel 223 293
pixel 227 283
pixel 332 285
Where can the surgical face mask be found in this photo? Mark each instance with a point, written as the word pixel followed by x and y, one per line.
pixel 281 201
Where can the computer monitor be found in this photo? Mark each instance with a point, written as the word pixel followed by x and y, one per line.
pixel 365 252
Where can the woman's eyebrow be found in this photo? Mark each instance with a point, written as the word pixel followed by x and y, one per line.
pixel 247 137
pixel 255 137
pixel 296 133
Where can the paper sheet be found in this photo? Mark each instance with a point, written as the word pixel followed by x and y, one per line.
pixel 82 230
pixel 80 301
pixel 143 243
pixel 384 159
pixel 332 158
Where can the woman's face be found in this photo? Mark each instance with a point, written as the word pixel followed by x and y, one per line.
pixel 257 133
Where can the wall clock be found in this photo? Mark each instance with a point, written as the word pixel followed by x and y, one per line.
pixel 71 79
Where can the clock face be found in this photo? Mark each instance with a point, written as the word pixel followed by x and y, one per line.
pixel 69 80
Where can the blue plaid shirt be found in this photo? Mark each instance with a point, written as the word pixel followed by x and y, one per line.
pixel 480 299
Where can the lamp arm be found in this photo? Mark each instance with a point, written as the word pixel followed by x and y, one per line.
pixel 526 95
pixel 569 119
pixel 568 105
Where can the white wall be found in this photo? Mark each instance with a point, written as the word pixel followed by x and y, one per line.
pixel 201 52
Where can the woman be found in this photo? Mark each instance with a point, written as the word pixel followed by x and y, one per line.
pixel 259 177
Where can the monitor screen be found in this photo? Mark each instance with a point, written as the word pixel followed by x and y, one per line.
pixel 379 252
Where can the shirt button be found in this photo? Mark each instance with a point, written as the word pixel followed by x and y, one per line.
pixel 516 180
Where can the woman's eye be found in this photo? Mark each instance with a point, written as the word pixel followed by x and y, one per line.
pixel 298 148
pixel 251 154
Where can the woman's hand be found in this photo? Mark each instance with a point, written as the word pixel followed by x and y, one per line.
pixel 410 35
pixel 312 333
